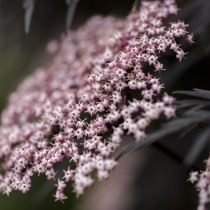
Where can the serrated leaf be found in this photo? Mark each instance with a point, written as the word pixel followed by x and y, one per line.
pixel 186 132
pixel 191 102
pixel 194 110
pixel 168 128
pixel 200 142
pixel 197 93
pixel 179 105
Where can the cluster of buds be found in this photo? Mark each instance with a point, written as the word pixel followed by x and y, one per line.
pixel 101 86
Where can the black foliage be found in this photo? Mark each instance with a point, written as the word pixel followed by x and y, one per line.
pixel 191 113
pixel 197 93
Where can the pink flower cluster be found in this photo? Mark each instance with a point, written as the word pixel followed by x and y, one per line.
pixel 202 182
pixel 101 86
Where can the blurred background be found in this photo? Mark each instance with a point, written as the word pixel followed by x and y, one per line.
pixel 151 179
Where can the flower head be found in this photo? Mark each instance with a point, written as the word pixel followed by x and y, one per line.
pixel 96 91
